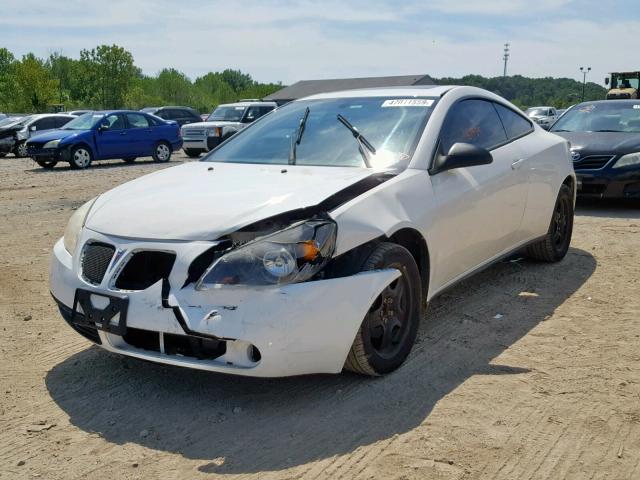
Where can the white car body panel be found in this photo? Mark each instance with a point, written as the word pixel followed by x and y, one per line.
pixel 468 218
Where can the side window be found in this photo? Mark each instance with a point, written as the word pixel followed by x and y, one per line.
pixel 43 124
pixel 115 121
pixel 194 116
pixel 515 125
pixel 164 114
pixel 253 113
pixel 137 120
pixel 61 121
pixel 265 110
pixel 472 121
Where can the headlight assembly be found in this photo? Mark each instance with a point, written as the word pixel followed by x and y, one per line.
pixel 74 227
pixel 51 144
pixel 214 132
pixel 292 255
pixel 629 160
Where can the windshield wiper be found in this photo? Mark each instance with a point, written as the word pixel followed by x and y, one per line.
pixel 297 138
pixel 362 142
pixel 606 130
pixel 561 130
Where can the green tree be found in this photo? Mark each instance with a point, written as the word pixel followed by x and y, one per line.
pixel 174 86
pixel 109 72
pixel 7 78
pixel 35 88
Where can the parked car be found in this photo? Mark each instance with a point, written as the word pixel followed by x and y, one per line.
pixel 605 147
pixel 3 116
pixel 312 240
pixel 77 113
pixel 543 116
pixel 14 135
pixel 6 141
pixel 224 121
pixel 182 115
pixel 106 135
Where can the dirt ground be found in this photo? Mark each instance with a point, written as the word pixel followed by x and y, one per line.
pixel 526 371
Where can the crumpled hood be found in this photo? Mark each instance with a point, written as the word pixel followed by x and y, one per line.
pixel 191 202
pixel 208 124
pixel 602 142
pixel 55 135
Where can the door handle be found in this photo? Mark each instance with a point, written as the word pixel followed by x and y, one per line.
pixel 517 163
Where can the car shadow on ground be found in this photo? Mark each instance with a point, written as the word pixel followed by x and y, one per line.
pixel 627 208
pixel 245 425
pixel 102 165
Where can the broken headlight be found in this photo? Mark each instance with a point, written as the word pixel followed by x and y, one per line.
pixel 292 255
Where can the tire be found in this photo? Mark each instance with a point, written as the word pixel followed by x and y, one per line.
pixel 48 164
pixel 162 152
pixel 387 334
pixel 20 150
pixel 129 159
pixel 555 244
pixel 3 154
pixel 80 157
pixel 191 153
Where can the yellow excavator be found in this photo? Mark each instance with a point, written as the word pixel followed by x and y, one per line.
pixel 623 85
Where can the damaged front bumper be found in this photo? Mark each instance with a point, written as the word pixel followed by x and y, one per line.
pixel 257 331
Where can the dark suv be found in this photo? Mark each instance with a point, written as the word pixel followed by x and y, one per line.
pixel 182 115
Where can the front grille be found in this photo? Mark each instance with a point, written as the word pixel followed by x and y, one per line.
pixel 34 145
pixel 592 162
pixel 193 133
pixel 95 261
pixel 144 268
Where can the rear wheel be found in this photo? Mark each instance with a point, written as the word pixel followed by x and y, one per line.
pixel 48 164
pixel 555 244
pixel 191 153
pixel 162 152
pixel 389 328
pixel 80 157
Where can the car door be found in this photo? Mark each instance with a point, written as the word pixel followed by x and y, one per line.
pixel 140 134
pixel 480 208
pixel 113 139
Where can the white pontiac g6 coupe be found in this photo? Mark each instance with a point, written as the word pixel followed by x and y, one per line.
pixel 313 240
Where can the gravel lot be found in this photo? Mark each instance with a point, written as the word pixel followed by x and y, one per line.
pixel 524 371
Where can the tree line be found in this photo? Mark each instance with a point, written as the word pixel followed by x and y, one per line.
pixel 106 77
pixel 530 92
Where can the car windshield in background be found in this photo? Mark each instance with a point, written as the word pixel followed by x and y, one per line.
pixel 613 116
pixel 291 134
pixel 83 122
pixel 537 112
pixel 227 114
pixel 6 122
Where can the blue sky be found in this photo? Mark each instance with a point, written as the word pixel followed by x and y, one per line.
pixel 289 40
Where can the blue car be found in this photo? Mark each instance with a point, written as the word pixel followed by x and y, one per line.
pixel 106 135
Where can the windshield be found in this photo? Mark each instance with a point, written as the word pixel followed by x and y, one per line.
pixel 537 112
pixel 611 116
pixel 227 114
pixel 5 122
pixel 622 81
pixel 391 125
pixel 83 122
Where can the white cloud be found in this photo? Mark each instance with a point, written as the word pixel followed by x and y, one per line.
pixel 497 7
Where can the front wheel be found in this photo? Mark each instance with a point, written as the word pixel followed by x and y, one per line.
pixel 555 244
pixel 191 153
pixel 80 158
pixel 48 164
pixel 389 328
pixel 20 150
pixel 162 152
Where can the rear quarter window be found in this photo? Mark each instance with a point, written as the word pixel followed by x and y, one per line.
pixel 515 124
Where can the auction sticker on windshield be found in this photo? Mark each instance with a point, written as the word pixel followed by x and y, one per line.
pixel 408 102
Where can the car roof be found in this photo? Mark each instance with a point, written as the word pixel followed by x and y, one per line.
pixel 248 104
pixel 409 91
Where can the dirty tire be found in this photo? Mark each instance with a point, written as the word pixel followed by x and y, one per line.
pixel 48 164
pixel 80 157
pixel 191 153
pixel 388 331
pixel 162 152
pixel 555 244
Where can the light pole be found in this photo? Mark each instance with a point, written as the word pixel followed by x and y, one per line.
pixel 584 78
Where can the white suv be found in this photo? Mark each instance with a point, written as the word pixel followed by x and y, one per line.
pixel 223 122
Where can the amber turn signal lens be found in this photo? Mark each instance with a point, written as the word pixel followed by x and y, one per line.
pixel 308 250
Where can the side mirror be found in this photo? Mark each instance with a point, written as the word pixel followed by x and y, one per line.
pixel 462 155
pixel 103 128
pixel 606 81
pixel 33 128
